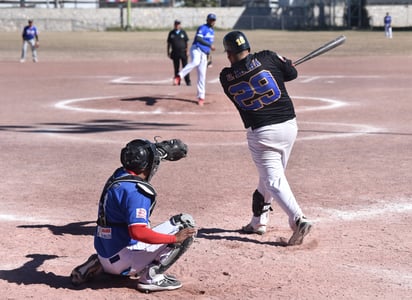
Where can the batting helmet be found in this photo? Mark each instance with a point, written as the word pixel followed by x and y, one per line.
pixel 235 42
pixel 139 156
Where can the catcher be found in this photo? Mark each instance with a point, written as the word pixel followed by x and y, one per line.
pixel 124 240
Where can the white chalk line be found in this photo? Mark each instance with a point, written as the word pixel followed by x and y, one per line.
pixel 215 80
pixel 17 218
pixel 402 206
pixel 69 104
pixel 360 213
pixel 329 104
pixel 127 80
pixel 354 130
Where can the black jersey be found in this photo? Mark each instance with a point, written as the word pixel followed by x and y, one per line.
pixel 256 87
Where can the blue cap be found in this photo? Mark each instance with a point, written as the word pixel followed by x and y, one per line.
pixel 211 17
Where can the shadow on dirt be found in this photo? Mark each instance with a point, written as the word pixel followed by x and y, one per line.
pixel 31 272
pixel 28 274
pixel 78 228
pixel 219 234
pixel 91 126
pixel 150 101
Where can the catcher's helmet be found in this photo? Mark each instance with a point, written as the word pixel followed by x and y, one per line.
pixel 139 156
pixel 235 42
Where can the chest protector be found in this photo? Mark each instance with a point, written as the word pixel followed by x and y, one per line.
pixel 142 187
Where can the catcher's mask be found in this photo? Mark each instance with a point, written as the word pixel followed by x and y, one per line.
pixel 139 156
pixel 235 42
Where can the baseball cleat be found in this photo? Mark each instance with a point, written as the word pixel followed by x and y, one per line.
pixel 176 80
pixel 261 229
pixel 303 227
pixel 167 283
pixel 201 102
pixel 86 271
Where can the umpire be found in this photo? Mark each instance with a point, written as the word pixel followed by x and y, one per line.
pixel 177 49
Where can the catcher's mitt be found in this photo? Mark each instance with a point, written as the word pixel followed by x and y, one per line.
pixel 172 150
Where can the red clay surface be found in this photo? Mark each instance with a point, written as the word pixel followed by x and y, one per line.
pixel 65 119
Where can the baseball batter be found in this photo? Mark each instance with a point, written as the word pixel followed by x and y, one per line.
pixel 255 85
pixel 201 47
pixel 125 243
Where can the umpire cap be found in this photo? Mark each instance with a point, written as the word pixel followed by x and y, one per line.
pixel 235 42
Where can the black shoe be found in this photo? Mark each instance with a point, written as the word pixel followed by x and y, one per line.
pixel 86 271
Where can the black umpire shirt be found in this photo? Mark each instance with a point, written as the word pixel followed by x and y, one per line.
pixel 178 40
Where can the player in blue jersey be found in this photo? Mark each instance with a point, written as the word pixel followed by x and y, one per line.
pixel 30 37
pixel 255 83
pixel 201 47
pixel 125 242
pixel 387 21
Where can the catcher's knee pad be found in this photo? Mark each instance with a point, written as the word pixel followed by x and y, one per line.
pixel 183 221
pixel 176 252
pixel 259 206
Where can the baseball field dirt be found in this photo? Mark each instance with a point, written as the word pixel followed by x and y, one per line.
pixel 65 119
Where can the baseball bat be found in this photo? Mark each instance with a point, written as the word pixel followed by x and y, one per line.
pixel 322 49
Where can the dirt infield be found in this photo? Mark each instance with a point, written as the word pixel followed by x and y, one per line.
pixel 65 119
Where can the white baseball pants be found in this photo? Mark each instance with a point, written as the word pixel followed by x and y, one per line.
pixel 198 61
pixel 32 44
pixel 133 260
pixel 270 147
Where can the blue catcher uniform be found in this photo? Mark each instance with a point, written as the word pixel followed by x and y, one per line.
pixel 124 240
pixel 124 203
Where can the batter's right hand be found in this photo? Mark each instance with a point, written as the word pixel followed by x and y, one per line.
pixel 184 234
